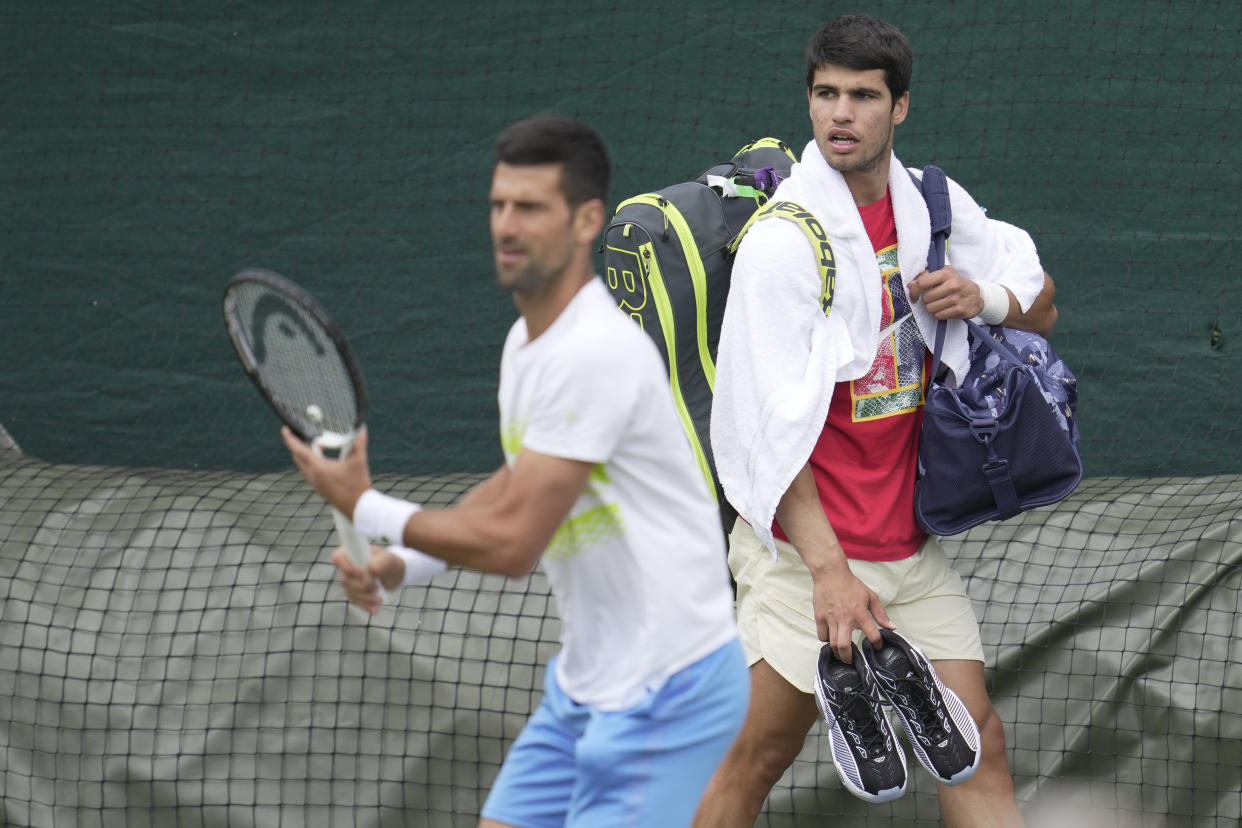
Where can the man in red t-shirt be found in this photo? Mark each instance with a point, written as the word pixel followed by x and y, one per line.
pixel 815 430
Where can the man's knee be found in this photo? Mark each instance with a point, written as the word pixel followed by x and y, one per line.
pixel 758 758
pixel 764 750
pixel 770 759
pixel 991 738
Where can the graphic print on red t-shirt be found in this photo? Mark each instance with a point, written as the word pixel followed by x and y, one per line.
pixel 865 459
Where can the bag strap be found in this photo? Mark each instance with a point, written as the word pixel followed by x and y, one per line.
pixel 935 190
pixel 825 260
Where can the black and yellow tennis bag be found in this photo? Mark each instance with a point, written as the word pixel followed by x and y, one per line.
pixel 668 255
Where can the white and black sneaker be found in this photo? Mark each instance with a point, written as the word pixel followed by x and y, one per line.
pixel 867 756
pixel 942 732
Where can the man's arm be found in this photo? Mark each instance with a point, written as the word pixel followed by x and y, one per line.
pixel 841 602
pixel 486 490
pixel 501 526
pixel 948 294
pixel 506 527
pixel 1040 317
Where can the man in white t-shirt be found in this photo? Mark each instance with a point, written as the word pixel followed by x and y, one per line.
pixel 650 686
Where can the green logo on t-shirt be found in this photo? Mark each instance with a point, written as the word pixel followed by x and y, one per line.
pixel 590 528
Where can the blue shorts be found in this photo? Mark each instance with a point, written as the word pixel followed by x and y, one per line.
pixel 644 766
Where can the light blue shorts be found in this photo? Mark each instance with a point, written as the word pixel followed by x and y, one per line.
pixel 645 766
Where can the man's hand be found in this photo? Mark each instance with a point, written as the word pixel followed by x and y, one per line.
pixel 947 294
pixel 842 604
pixel 840 601
pixel 340 482
pixel 362 585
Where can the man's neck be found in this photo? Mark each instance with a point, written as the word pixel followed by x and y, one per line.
pixel 540 310
pixel 868 186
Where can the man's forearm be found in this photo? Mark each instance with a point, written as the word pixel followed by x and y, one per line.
pixel 485 490
pixel 802 518
pixel 1040 317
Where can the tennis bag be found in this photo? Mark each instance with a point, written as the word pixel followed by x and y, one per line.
pixel 668 259
pixel 1006 439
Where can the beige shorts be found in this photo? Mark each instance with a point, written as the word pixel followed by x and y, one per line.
pixel 922 595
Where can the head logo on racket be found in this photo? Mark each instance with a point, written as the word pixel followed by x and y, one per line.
pixel 302 365
pixel 270 306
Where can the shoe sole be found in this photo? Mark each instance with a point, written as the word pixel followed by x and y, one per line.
pixel 886 795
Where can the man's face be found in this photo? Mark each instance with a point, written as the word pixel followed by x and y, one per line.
pixel 853 116
pixel 532 226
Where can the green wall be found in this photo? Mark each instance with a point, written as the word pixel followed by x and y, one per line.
pixel 148 152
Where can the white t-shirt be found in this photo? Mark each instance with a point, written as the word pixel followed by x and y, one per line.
pixel 638 569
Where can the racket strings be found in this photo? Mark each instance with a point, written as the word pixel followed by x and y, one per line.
pixel 294 360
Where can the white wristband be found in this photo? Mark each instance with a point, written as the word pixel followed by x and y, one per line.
pixel 381 519
pixel 419 566
pixel 995 302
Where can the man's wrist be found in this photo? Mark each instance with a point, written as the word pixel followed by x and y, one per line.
pixel 827 562
pixel 995 302
pixel 381 519
pixel 419 566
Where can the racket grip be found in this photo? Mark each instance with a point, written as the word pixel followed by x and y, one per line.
pixel 356 545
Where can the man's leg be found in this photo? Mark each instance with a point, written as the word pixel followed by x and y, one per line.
pixel 649 764
pixel 537 778
pixel 986 799
pixel 773 734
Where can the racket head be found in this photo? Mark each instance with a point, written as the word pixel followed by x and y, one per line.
pixel 295 353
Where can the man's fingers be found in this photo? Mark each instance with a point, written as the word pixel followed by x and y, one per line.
pixel 872 633
pixel 840 637
pixel 917 285
pixel 293 442
pixel 386 568
pixel 345 562
pixel 303 455
pixel 880 616
pixel 361 588
pixel 352 576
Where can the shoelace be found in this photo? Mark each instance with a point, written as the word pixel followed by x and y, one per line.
pixel 931 718
pixel 862 719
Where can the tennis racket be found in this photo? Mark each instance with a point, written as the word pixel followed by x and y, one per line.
pixel 303 366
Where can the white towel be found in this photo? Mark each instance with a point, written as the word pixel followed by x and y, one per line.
pixel 780 356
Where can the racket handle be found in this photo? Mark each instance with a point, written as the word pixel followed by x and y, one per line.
pixel 356 545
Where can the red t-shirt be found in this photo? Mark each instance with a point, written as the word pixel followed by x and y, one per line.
pixel 865 460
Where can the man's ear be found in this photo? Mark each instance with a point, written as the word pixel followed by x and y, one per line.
pixel 589 220
pixel 901 108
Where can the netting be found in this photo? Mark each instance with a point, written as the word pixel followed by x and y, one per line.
pixel 177 652
pixel 173 650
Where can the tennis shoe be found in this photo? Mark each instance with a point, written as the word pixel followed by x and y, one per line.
pixel 868 759
pixel 942 733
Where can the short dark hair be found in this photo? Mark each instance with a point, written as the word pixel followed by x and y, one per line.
pixel 552 139
pixel 861 42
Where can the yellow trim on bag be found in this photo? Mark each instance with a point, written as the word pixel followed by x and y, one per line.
pixel 650 266
pixel 815 234
pixel 698 277
pixel 775 143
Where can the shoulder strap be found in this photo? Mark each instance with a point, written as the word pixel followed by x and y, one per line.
pixel 935 189
pixel 814 231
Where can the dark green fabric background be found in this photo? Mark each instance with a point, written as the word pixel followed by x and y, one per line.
pixel 147 152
